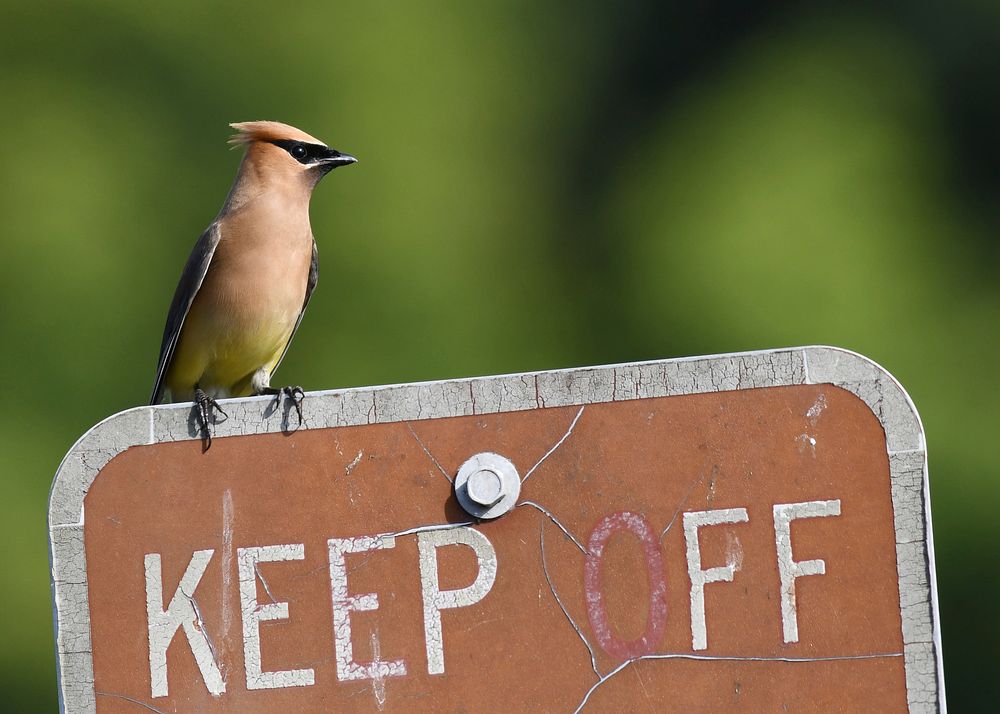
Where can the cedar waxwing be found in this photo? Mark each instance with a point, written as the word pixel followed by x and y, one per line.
pixel 248 281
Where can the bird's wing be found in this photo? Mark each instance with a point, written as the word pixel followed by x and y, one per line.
pixel 187 288
pixel 310 286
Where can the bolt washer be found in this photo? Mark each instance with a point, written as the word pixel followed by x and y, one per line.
pixel 486 501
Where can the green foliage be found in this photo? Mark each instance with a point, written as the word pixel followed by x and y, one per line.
pixel 525 199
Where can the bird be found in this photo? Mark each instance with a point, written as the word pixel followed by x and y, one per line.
pixel 246 285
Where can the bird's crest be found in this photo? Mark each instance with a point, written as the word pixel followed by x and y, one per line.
pixel 249 132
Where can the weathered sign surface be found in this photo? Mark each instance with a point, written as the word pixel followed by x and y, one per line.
pixel 737 532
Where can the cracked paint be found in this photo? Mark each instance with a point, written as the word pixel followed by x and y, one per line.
pixel 436 599
pixel 344 604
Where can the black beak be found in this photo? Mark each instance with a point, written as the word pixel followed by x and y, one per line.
pixel 334 158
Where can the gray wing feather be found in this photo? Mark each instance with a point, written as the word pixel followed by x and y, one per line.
pixel 191 279
pixel 310 286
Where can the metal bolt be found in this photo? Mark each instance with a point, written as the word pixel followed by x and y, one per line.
pixel 487 485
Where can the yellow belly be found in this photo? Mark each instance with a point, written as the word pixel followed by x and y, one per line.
pixel 221 351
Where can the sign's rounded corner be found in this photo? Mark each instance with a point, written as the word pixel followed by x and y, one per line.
pixel 109 437
pixel 828 364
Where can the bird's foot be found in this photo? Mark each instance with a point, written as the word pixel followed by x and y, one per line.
pixel 293 393
pixel 205 404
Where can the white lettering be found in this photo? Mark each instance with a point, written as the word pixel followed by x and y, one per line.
pixel 344 604
pixel 182 612
pixel 435 599
pixel 699 577
pixel 788 569
pixel 255 613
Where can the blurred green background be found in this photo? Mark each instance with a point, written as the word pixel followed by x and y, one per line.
pixel 541 185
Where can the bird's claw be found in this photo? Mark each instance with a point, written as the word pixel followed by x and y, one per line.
pixel 205 404
pixel 296 395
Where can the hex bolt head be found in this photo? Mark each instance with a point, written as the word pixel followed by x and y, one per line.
pixel 487 485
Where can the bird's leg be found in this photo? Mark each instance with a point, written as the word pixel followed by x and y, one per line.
pixel 204 404
pixel 294 393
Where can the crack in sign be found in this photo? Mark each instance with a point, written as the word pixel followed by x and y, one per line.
pixel 127 698
pixel 680 506
pixel 426 529
pixel 723 658
pixel 200 624
pixel 556 446
pixel 263 582
pixel 558 524
pixel 552 589
pixel 429 454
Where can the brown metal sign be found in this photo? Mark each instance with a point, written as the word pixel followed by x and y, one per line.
pixel 745 531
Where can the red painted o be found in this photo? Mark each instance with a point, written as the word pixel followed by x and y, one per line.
pixel 635 524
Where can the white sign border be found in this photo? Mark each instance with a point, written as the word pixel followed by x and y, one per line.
pixel 886 398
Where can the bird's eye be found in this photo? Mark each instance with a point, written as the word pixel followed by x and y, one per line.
pixel 298 152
